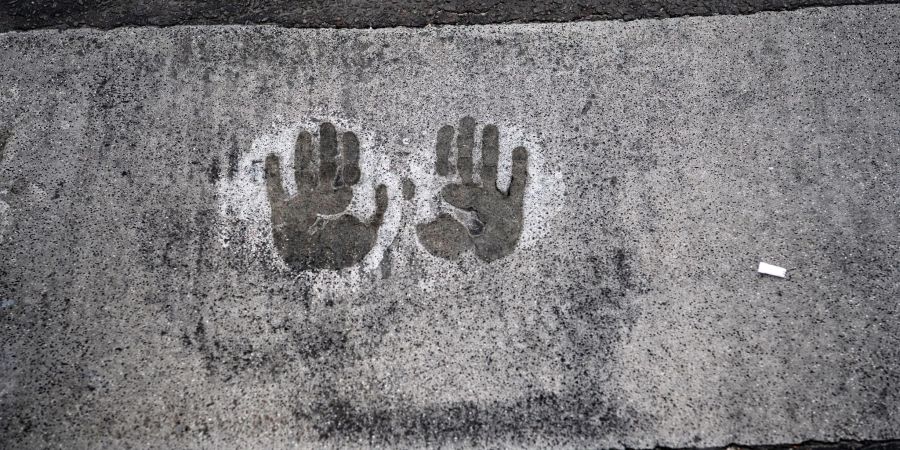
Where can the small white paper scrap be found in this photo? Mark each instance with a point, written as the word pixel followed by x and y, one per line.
pixel 769 269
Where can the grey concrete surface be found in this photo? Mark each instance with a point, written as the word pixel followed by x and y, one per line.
pixel 145 304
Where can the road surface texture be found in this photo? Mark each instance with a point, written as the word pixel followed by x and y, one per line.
pixel 503 235
pixel 25 15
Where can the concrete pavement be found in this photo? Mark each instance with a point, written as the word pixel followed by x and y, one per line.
pixel 148 301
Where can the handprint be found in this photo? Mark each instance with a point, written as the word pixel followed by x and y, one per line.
pixel 491 218
pixel 304 234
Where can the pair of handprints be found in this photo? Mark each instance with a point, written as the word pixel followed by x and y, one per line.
pixel 313 230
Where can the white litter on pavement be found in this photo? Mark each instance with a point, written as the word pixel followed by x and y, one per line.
pixel 769 269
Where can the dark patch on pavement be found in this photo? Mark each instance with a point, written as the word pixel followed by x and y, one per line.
pixel 581 409
pixel 819 445
pixel 234 158
pixel 366 14
pixel 304 238
pixel 385 265
pixel 409 189
pixel 543 415
pixel 494 221
pixel 4 136
pixel 214 170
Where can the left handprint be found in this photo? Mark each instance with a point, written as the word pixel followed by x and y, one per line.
pixel 311 228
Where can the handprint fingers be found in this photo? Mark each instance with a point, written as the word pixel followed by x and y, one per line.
pixel 303 162
pixel 519 173
pixel 350 153
pixel 442 151
pixel 381 204
pixel 327 154
pixel 490 153
pixel 465 142
pixel 272 174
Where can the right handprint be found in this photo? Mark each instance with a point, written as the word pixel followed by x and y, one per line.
pixel 483 217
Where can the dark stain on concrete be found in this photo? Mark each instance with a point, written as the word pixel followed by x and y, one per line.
pixel 495 216
pixel 623 269
pixel 214 171
pixel 19 185
pixel 234 158
pixel 587 107
pixel 581 410
pixel 409 189
pixel 321 340
pixel 891 444
pixel 303 238
pixel 385 265
pixel 173 240
pixel 4 136
pixel 366 14
pixel 444 237
pixel 226 356
pixel 541 414
pixel 442 165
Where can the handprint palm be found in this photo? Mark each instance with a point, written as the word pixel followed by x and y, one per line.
pixel 303 235
pixel 493 218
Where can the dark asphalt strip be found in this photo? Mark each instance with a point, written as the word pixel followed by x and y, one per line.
pixel 28 14
pixel 817 445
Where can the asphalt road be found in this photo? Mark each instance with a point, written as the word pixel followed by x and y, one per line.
pixel 27 15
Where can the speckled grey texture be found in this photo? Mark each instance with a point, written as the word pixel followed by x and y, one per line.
pixel 143 303
pixel 28 15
